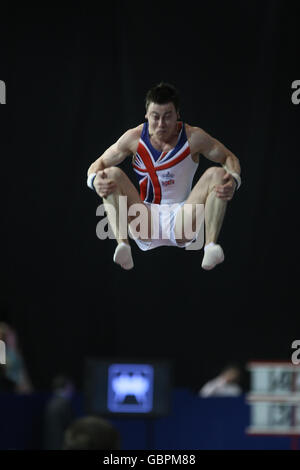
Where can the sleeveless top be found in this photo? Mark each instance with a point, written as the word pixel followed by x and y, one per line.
pixel 164 177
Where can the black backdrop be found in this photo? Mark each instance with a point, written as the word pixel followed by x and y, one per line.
pixel 76 80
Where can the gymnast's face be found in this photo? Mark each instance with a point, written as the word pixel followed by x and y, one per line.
pixel 162 120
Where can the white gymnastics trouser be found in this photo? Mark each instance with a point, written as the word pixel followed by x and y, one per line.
pixel 165 215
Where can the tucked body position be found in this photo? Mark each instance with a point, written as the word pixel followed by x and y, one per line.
pixel 165 155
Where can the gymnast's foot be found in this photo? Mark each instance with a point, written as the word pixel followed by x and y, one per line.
pixel 213 255
pixel 123 256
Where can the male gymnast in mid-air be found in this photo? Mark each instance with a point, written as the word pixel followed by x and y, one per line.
pixel 165 154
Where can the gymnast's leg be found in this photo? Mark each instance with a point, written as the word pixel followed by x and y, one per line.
pixel 204 193
pixel 115 183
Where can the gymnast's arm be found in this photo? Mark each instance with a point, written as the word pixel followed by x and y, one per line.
pixel 116 153
pixel 212 149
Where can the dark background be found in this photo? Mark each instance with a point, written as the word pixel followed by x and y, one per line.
pixel 76 80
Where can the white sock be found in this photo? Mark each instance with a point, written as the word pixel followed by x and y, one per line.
pixel 123 257
pixel 209 244
pixel 213 255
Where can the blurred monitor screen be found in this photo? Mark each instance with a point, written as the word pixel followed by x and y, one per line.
pixel 126 387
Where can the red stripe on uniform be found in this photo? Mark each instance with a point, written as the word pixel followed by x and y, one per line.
pixel 143 188
pixel 144 170
pixel 175 161
pixel 151 170
pixel 162 156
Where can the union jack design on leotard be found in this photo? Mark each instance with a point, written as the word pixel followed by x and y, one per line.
pixel 149 162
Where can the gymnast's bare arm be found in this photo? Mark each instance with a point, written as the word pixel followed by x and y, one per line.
pixel 202 143
pixel 125 146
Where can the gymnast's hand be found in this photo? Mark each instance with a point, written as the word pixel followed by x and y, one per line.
pixel 226 191
pixel 103 185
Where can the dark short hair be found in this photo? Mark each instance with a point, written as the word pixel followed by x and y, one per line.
pixel 91 433
pixel 161 94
